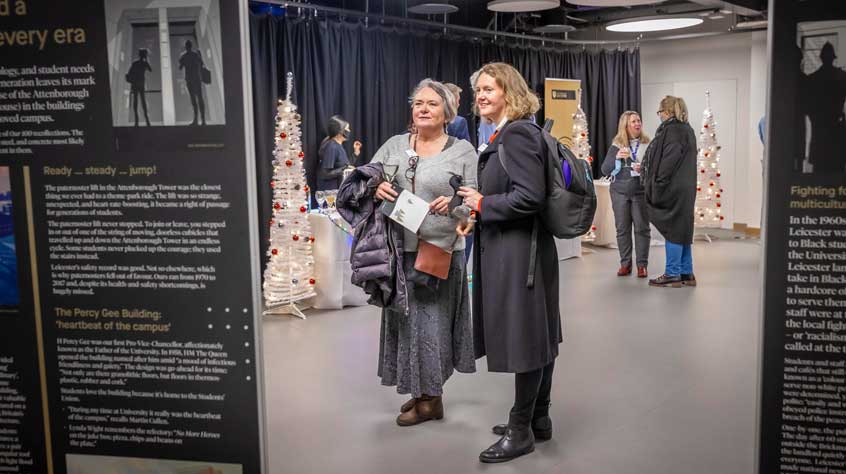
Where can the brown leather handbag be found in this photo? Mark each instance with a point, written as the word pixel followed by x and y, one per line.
pixel 433 260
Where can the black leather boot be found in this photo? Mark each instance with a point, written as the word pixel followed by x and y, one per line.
pixel 517 441
pixel 541 424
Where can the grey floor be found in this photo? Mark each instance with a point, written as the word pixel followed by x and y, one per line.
pixel 649 381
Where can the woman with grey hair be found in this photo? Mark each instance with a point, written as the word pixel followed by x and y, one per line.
pixel 422 346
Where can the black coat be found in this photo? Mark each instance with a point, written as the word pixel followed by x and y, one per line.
pixel 517 327
pixel 669 181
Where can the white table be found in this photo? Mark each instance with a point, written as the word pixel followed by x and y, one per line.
pixel 332 265
pixel 605 228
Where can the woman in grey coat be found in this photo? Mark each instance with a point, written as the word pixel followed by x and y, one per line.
pixel 622 163
pixel 422 346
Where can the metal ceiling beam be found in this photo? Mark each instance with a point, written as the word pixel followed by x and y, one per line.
pixel 741 7
pixel 470 30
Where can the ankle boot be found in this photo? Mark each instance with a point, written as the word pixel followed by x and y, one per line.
pixel 408 405
pixel 517 441
pixel 541 428
pixel 425 409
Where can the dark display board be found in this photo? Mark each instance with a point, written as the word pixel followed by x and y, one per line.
pixel 803 410
pixel 127 262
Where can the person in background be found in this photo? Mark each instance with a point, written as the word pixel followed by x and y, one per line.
pixel 332 157
pixel 622 163
pixel 422 346
pixel 458 127
pixel 516 317
pixel 137 77
pixel 192 62
pixel 669 182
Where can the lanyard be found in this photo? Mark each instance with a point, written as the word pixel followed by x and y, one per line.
pixel 634 151
pixel 498 128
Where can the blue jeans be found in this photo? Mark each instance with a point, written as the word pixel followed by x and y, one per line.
pixel 679 259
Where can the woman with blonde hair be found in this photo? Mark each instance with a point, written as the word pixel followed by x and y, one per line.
pixel 516 320
pixel 669 181
pixel 622 163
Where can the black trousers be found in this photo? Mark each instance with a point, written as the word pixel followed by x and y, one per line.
pixel 531 395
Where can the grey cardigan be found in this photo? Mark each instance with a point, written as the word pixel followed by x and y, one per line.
pixel 431 181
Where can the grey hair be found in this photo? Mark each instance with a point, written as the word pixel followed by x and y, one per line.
pixel 442 91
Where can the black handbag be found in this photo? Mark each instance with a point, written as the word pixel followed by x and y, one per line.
pixel 205 75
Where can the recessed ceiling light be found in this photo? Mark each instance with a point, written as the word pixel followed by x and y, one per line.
pixel 652 24
pixel 716 17
pixel 517 6
pixel 433 8
pixel 726 12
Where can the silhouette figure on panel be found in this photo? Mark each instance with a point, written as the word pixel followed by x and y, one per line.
pixel 826 94
pixel 137 78
pixel 192 62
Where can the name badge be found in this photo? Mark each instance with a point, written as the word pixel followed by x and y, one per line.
pixel 482 147
pixel 411 153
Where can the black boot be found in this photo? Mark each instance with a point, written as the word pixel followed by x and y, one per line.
pixel 517 441
pixel 541 424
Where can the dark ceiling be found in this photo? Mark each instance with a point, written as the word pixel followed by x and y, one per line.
pixel 719 16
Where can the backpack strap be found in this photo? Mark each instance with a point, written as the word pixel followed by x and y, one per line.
pixel 533 247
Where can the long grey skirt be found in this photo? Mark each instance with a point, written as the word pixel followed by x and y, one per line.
pixel 420 350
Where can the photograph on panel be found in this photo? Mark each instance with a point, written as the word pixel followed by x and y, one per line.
pixel 822 100
pixel 165 63
pixel 9 292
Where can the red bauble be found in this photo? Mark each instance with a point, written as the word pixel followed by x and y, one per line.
pixel 706 125
pixel 721 189
pixel 303 209
pixel 277 206
pixel 274 251
pixel 718 194
pixel 296 237
pixel 702 171
pixel 718 175
pixel 311 239
pixel 699 188
pixel 711 184
pixel 271 221
pixel 289 163
pixel 593 227
pixel 272 184
pixel 719 205
pixel 722 218
pixel 584 134
pixel 306 188
pixel 706 154
pixel 301 154
pixel 283 135
pixel 311 281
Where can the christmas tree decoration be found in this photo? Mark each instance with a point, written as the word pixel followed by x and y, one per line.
pixel 581 141
pixel 289 276
pixel 708 192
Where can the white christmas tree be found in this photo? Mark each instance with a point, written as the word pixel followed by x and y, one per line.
pixel 581 147
pixel 289 276
pixel 709 193
pixel 581 141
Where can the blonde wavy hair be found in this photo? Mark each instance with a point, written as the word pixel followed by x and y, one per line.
pixel 674 106
pixel 622 139
pixel 520 101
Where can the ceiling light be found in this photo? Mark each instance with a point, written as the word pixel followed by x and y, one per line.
pixel 553 29
pixel 519 6
pixel 652 24
pixel 612 3
pixel 716 17
pixel 433 8
pixel 726 12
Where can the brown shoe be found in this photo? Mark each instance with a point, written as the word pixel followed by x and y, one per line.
pixel 623 271
pixel 666 281
pixel 407 406
pixel 688 279
pixel 641 272
pixel 426 408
